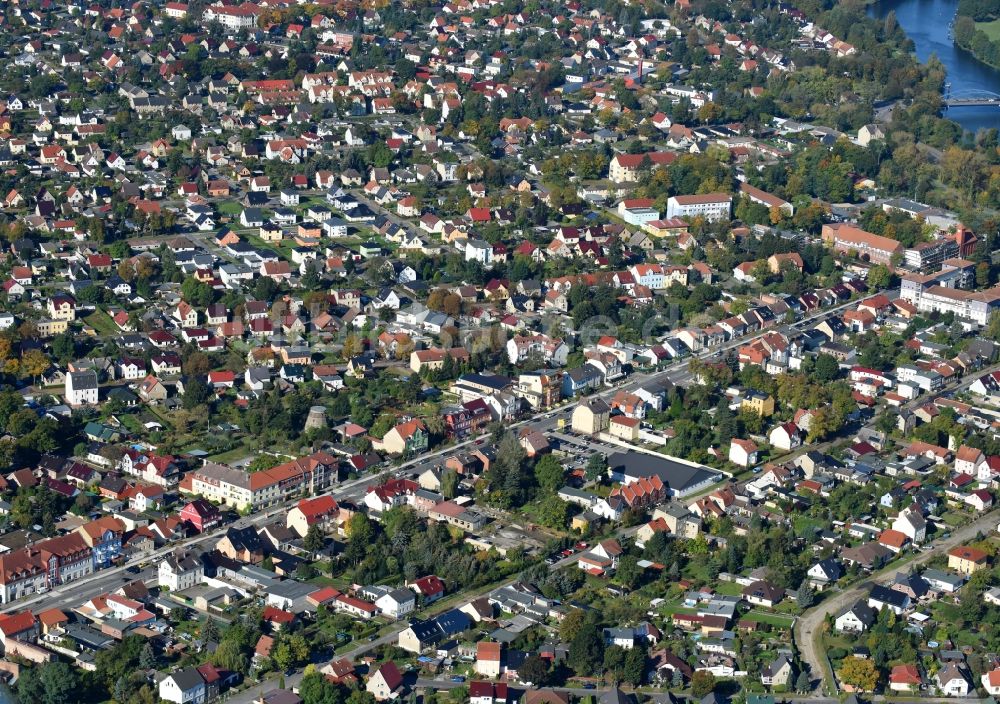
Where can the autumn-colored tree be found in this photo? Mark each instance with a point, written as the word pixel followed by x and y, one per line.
pixel 404 346
pixel 352 346
pixel 709 112
pixel 859 673
pixel 197 364
pixel 7 363
pixel 34 363
pixel 702 683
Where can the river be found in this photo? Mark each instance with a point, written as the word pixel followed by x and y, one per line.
pixel 927 23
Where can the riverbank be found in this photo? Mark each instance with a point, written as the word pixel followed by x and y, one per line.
pixel 981 40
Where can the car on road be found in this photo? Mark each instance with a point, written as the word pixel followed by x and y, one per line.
pixel 458 679
pixel 590 685
pixel 132 569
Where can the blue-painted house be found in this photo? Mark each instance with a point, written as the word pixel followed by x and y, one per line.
pixel 104 536
pixel 579 380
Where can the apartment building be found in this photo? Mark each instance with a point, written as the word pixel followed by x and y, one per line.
pixel 873 248
pixel 241 489
pixel 233 17
pixel 43 566
pixel 711 206
pixel 972 306
pixel 929 256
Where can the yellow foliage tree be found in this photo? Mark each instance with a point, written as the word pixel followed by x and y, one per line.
pixel 860 674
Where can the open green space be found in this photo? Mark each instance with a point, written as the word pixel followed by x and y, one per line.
pixel 101 322
pixel 990 29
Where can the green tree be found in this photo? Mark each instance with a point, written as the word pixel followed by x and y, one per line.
pixel 597 466
pixel 628 572
pixel 314 540
pixel 825 367
pixel 549 473
pixel 535 670
pixel 209 629
pixel 290 651
pixel 614 661
pixel 879 277
pixel 553 512
pixel 231 656
pixel 634 669
pixel 197 293
pixel 315 688
pixel 993 327
pixel 53 683
pixel 196 392
pixel 63 347
pixel 586 650
pixel 120 660
pixel 804 595
pixel 147 657
pixel 571 625
pixel 360 528
pixel 449 483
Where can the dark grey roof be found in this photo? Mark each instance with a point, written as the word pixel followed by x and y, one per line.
pixel 86 379
pixel 452 622
pixel 425 631
pixel 888 596
pixel 616 696
pixel 245 539
pixel 188 679
pixel 679 476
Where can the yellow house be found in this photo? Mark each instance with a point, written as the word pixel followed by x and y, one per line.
pixel 49 328
pixel 62 307
pixel 591 416
pixel 582 522
pixel 434 357
pixel 966 560
pixel 624 428
pixel 671 227
pixel 760 403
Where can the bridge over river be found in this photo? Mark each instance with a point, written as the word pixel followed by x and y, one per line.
pixel 970 98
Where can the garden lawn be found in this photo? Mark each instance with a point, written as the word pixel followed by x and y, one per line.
pixel 675 607
pixel 102 323
pixel 729 589
pixel 237 453
pixel 770 619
